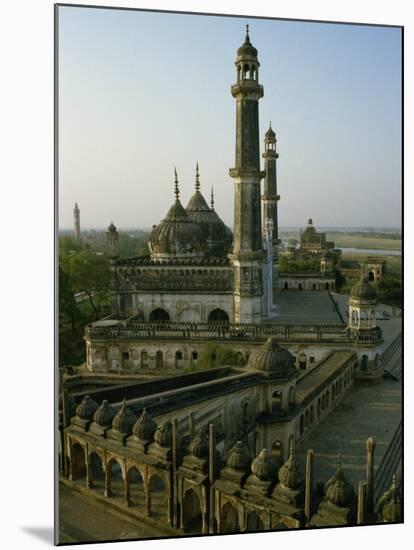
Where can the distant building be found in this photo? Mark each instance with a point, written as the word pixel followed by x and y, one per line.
pixel 76 219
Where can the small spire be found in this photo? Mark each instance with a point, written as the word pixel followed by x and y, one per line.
pixel 339 462
pixel 212 198
pixel 197 182
pixel 292 449
pixel 270 125
pixel 176 189
pixel 247 39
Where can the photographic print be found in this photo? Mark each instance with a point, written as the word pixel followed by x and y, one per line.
pixel 229 196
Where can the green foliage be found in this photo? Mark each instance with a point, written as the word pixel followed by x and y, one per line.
pixel 301 266
pixel 292 242
pixel 214 355
pixel 389 289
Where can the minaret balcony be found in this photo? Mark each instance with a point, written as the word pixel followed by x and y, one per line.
pixel 248 89
pixel 246 173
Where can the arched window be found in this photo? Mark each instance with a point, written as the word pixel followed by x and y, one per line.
pixel 291 395
pixel 192 518
pixel 159 315
pixel 286 285
pixel 117 488
pixel 277 397
pixel 136 488
pixel 254 523
pixel 96 472
pixel 229 519
pixel 77 462
pixel 159 360
pixel 302 361
pixel 364 363
pixel 371 276
pixel 144 359
pixel 178 359
pixel 218 315
pixel 277 451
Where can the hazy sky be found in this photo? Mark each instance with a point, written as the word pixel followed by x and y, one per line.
pixel 141 92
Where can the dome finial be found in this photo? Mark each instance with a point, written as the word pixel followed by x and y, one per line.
pixel 247 33
pixel 212 198
pixel 197 182
pixel 176 189
pixel 270 125
pixel 339 462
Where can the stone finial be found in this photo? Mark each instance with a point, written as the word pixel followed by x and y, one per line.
pixel 197 181
pixel 212 198
pixel 176 188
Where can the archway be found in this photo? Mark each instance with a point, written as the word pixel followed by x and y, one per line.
pixel 254 523
pixel 300 286
pixel 192 518
pixel 218 315
pixel 97 472
pixel 115 479
pixel 277 401
pixel 159 315
pixel 286 285
pixel 159 496
pixel 371 276
pixel 144 359
pixel 277 451
pixel 302 361
pixel 136 488
pixel 291 395
pixel 364 363
pixel 178 359
pixel 229 521
pixel 159 360
pixel 78 465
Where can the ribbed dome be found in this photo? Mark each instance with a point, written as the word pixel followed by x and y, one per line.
pixel 145 427
pixel 199 445
pixel 124 420
pixel 270 135
pixel 263 466
pixel 363 290
pixel 177 235
pixel 163 435
pixel 289 473
pixel 390 503
pixel 338 490
pixel 247 50
pixel 86 408
pixel 273 360
pixel 239 457
pixel 104 414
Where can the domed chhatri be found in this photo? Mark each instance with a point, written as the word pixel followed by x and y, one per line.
pixel 145 427
pixel 199 445
pixel 239 457
pixel 124 420
pixel 264 467
pixel 270 134
pixel 389 506
pixel 363 290
pixel 338 490
pixel 290 477
pixel 177 236
pixel 163 435
pixel 85 410
pixel 104 414
pixel 273 360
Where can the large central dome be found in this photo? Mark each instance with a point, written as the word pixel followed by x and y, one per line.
pixel 177 236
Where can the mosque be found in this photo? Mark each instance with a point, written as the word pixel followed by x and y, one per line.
pixel 213 450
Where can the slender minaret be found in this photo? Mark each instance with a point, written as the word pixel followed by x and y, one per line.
pixel 270 196
pixel 247 254
pixel 76 218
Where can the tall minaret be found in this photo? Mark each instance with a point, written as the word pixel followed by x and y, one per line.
pixel 247 254
pixel 76 218
pixel 270 196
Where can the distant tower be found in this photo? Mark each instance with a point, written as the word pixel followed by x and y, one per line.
pixel 112 240
pixel 76 218
pixel 270 196
pixel 247 254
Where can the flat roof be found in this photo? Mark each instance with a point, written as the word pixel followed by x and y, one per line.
pixel 301 306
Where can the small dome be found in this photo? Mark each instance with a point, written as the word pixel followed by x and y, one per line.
pixel 247 49
pixel 112 228
pixel 199 445
pixel 273 360
pixel 270 135
pixel 390 503
pixel 289 473
pixel 104 414
pixel 338 490
pixel 363 290
pixel 144 428
pixel 124 420
pixel 163 435
pixel 263 466
pixel 239 457
pixel 86 408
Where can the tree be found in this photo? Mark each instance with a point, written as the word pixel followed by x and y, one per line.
pixel 67 304
pixel 214 355
pixel 90 274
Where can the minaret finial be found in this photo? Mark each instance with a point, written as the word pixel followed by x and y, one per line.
pixel 197 182
pixel 270 125
pixel 339 462
pixel 292 448
pixel 247 33
pixel 212 198
pixel 176 189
